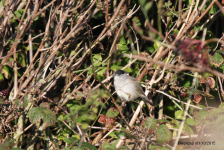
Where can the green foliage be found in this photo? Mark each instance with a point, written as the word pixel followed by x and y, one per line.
pixel 122 45
pixel 46 114
pixel 107 146
pixel 190 122
pixel 163 134
pixel 84 113
pixel 150 124
pixel 27 98
pixel 51 85
pixel 137 21
pixel 8 145
pixel 6 72
pixel 21 59
pixel 179 114
pixel 1 77
pixel 216 59
pixel 35 115
pixel 74 142
pixel 112 112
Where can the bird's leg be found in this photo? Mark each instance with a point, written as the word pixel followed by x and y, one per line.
pixel 123 103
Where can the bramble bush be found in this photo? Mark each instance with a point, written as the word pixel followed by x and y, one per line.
pixel 57 61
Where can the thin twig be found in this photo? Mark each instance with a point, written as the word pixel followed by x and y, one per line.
pixel 185 112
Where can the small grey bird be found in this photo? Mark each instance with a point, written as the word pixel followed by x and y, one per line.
pixel 127 87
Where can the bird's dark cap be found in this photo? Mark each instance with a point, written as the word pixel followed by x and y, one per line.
pixel 119 72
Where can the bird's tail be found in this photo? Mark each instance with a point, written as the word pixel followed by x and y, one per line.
pixel 147 100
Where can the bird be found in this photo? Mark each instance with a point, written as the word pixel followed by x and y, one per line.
pixel 128 87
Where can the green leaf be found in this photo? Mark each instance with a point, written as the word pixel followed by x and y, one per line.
pixel 106 145
pixel 16 102
pixel 1 77
pixel 163 134
pixel 122 45
pixel 70 140
pixel 74 141
pixel 122 40
pixel 169 14
pixel 97 58
pixel 148 6
pixel 35 115
pixel 101 71
pixel 216 59
pixel 34 46
pixel 190 121
pixel 48 116
pixel 196 28
pixel 121 133
pixel 6 72
pixel 185 82
pixel 19 13
pixel 115 67
pixel 27 98
pixel 88 146
pixel 128 70
pixel 188 129
pixel 213 9
pixel 112 112
pixel 135 19
pixel 155 45
pixel 150 124
pixel 151 49
pixel 179 114
pixel 113 135
pixel 201 115
pixel 214 112
pixel 142 2
pixel 170 108
pixel 168 4
pixel 112 146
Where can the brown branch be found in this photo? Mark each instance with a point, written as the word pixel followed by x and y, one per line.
pixel 177 68
pixel 205 12
pixel 111 20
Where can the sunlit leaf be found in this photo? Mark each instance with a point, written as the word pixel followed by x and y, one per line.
pixel 27 98
pixel 216 59
pixel 190 121
pixel 1 77
pixel 35 115
pixel 179 114
pixel 70 140
pixel 115 67
pixel 112 112
pixel 48 116
pixel 142 2
pixel 163 134
pixel 6 72
pixel 149 124
pixel 148 6
pixel 137 21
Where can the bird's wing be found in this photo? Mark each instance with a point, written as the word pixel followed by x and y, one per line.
pixel 137 84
